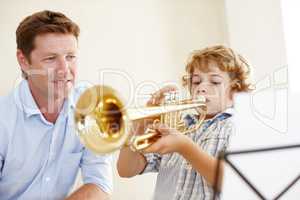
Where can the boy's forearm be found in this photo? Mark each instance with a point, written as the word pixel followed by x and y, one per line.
pixel 203 163
pixel 130 163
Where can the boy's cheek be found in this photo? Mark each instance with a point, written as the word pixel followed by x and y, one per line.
pixel 214 106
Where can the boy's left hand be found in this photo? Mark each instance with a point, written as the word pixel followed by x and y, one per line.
pixel 170 141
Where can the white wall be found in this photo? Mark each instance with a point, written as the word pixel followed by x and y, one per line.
pixel 290 13
pixel 255 29
pixel 266 117
pixel 147 40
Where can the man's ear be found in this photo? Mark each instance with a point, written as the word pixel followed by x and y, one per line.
pixel 22 60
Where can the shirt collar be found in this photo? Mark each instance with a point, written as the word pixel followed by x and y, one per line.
pixel 228 112
pixel 220 116
pixel 71 98
pixel 28 103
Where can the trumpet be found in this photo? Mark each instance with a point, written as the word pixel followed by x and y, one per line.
pixel 103 123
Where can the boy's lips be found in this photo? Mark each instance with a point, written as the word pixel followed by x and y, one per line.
pixel 206 100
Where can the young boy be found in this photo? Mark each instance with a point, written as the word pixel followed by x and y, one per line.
pixel 187 164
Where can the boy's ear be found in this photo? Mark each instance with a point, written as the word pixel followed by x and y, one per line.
pixel 22 60
pixel 231 94
pixel 231 97
pixel 235 85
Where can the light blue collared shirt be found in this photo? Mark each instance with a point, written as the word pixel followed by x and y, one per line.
pixel 39 159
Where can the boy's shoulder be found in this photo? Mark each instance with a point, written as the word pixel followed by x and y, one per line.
pixel 222 117
pixel 220 126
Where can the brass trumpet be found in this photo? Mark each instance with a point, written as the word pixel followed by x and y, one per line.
pixel 103 123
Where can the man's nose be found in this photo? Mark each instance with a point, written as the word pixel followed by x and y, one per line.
pixel 62 67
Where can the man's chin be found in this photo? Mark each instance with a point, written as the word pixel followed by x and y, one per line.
pixel 62 93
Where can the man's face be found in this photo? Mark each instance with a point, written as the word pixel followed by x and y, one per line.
pixel 214 85
pixel 53 65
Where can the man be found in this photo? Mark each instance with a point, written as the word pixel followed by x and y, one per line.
pixel 40 153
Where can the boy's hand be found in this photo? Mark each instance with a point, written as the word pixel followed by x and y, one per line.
pixel 138 127
pixel 158 97
pixel 170 141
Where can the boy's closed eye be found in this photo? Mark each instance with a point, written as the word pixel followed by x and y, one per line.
pixel 216 80
pixel 196 82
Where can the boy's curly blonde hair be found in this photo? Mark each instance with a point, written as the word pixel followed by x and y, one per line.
pixel 227 60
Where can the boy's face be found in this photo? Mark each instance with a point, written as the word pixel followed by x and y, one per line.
pixel 52 66
pixel 214 85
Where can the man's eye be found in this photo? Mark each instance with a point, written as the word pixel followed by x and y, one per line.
pixel 71 57
pixel 50 58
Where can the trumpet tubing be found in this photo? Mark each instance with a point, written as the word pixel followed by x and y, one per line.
pixel 103 123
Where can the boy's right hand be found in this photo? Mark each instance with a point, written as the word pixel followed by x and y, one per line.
pixel 139 126
pixel 158 97
pixel 169 140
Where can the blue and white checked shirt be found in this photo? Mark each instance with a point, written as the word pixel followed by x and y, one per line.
pixel 176 179
pixel 40 160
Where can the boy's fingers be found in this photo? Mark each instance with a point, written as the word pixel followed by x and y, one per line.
pixel 152 148
pixel 168 88
pixel 158 96
pixel 155 147
pixel 163 129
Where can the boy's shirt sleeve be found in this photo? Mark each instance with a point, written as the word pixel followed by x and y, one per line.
pixel 218 137
pixel 153 162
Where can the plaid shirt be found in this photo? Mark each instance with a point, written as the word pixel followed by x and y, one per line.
pixel 176 179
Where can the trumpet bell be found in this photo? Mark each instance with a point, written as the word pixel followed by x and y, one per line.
pixel 100 120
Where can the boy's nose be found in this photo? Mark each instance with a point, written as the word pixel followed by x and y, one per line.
pixel 202 90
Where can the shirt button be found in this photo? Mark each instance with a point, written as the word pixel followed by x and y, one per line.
pixel 188 166
pixel 47 179
pixel 51 156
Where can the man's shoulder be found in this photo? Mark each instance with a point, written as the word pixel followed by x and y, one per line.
pixel 12 100
pixel 8 104
pixel 8 112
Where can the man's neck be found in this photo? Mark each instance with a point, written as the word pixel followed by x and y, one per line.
pixel 49 107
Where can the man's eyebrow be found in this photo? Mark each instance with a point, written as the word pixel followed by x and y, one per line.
pixel 71 52
pixel 48 54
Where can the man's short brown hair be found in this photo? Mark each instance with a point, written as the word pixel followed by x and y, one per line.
pixel 42 23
